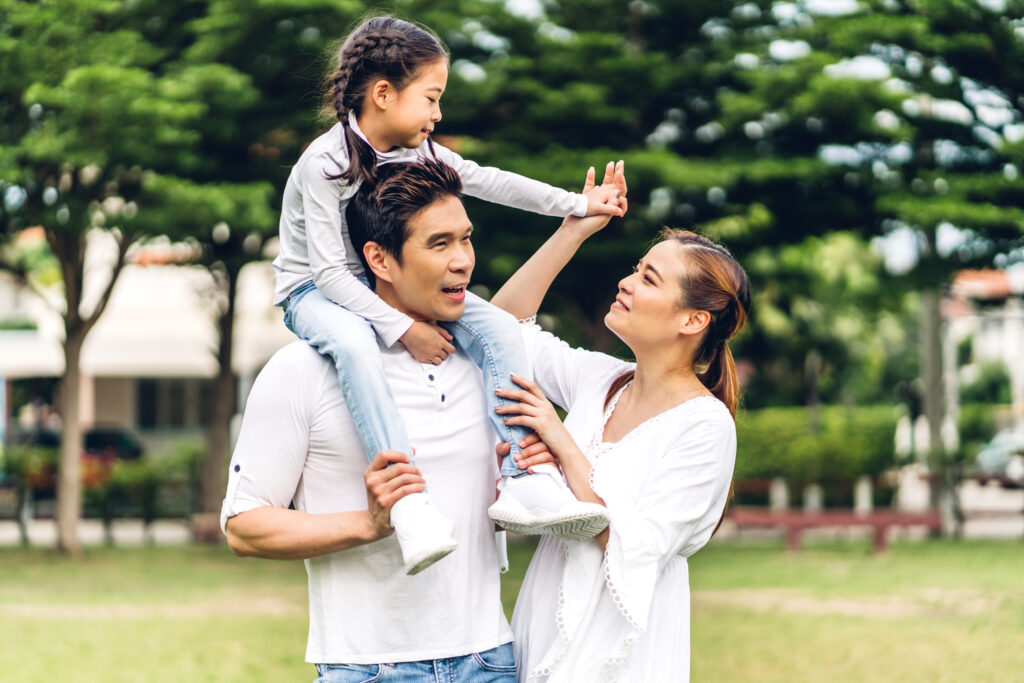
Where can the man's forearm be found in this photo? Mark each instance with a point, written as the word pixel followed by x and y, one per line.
pixel 280 534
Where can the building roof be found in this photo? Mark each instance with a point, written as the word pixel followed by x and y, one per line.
pixel 159 323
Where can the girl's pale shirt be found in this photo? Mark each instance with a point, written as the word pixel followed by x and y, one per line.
pixel 314 239
pixel 298 445
pixel 623 615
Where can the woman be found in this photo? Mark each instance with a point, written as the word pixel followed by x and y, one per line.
pixel 653 441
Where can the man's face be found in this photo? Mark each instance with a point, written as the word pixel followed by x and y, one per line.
pixel 437 261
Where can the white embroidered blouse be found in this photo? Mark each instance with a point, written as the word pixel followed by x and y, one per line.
pixel 623 615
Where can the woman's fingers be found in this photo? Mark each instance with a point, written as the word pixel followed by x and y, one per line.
pixel 521 395
pixel 589 184
pixel 619 178
pixel 609 173
pixel 517 409
pixel 528 421
pixel 530 386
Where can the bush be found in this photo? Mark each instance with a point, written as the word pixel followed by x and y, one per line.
pixel 992 385
pixel 850 442
pixel 977 423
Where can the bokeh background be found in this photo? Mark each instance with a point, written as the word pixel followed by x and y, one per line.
pixel 861 158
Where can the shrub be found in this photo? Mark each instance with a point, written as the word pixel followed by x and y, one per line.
pixel 849 442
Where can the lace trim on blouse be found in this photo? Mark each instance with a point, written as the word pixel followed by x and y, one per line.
pixel 596 448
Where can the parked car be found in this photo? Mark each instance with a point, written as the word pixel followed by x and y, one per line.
pixel 1003 455
pixel 101 448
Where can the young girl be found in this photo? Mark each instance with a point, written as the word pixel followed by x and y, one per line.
pixel 385 93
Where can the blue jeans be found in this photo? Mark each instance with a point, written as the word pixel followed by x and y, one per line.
pixel 489 335
pixel 497 664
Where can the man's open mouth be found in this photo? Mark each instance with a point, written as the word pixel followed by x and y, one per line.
pixel 455 293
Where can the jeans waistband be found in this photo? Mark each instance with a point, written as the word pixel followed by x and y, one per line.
pixel 297 293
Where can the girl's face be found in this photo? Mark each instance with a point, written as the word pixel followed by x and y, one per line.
pixel 646 310
pixel 412 111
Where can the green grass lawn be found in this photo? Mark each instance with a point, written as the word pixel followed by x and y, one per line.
pixel 933 611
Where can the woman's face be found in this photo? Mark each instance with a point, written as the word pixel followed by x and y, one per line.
pixel 646 309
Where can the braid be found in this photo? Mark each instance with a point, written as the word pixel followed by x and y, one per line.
pixel 381 48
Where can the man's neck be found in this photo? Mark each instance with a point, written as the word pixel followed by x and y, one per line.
pixel 387 293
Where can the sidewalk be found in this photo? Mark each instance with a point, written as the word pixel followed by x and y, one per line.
pixel 127 532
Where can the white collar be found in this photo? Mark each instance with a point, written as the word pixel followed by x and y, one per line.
pixel 383 156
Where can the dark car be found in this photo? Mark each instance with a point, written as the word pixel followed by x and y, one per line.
pixel 101 448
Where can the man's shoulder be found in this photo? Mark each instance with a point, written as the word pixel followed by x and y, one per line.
pixel 295 362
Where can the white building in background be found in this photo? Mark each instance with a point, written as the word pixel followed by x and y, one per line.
pixel 987 306
pixel 148 362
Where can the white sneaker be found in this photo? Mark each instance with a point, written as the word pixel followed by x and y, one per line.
pixel 424 534
pixel 541 503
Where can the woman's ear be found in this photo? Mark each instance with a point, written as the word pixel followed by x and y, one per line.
pixel 380 94
pixel 694 322
pixel 377 260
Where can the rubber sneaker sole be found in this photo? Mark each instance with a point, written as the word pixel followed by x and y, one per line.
pixel 417 564
pixel 585 522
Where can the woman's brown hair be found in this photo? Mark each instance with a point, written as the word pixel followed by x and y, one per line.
pixel 712 281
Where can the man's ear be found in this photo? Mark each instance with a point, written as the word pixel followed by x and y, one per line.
pixel 381 94
pixel 694 322
pixel 378 260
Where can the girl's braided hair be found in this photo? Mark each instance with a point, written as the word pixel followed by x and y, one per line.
pixel 380 48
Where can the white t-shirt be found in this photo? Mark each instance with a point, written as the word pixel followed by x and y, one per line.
pixel 314 240
pixel 298 445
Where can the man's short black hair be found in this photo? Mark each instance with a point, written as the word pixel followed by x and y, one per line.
pixel 380 212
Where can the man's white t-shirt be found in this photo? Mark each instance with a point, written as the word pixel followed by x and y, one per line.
pixel 298 445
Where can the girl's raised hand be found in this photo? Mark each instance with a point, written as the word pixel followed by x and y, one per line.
pixel 608 198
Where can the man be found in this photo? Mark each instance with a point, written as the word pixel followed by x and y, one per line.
pixel 298 446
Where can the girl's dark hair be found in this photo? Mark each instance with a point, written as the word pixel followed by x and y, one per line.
pixel 712 281
pixel 381 47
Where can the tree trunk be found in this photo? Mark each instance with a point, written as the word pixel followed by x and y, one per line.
pixel 70 248
pixel 934 391
pixel 812 371
pixel 934 394
pixel 225 388
pixel 69 478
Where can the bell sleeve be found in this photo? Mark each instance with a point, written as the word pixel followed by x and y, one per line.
pixel 683 493
pixel 564 373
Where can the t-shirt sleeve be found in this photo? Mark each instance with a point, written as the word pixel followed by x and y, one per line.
pixel 272 446
pixel 323 202
pixel 511 189
pixel 564 373
pixel 684 492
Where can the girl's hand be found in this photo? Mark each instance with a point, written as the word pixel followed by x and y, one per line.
pixel 609 198
pixel 535 412
pixel 428 342
pixel 532 451
pixel 611 191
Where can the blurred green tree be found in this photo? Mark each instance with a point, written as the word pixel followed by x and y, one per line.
pixel 97 129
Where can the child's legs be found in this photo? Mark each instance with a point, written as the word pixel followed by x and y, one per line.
pixel 492 339
pixel 350 342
